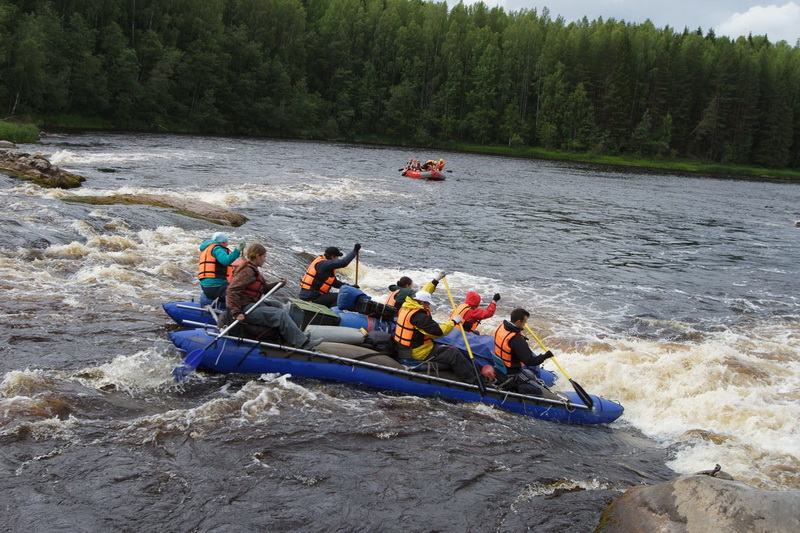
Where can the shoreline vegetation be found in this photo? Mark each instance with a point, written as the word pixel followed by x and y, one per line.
pixel 427 74
pixel 681 165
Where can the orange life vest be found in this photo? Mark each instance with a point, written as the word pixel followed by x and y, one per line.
pixel 502 339
pixel 462 309
pixel 310 280
pixel 392 298
pixel 405 334
pixel 256 288
pixel 209 267
pixel 232 268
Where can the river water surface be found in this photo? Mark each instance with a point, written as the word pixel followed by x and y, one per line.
pixel 675 295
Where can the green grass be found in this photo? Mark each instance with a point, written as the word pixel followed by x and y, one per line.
pixel 18 133
pixel 674 165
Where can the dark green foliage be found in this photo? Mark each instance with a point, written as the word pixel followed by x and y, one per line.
pixel 409 70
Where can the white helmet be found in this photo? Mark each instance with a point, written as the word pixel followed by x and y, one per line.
pixel 423 296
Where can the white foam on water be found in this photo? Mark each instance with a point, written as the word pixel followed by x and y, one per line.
pixel 731 398
pixel 143 372
pixel 537 490
pixel 67 157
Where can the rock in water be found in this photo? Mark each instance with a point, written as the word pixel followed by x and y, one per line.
pixel 38 169
pixel 190 208
pixel 702 503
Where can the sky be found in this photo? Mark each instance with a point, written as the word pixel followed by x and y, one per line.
pixel 779 20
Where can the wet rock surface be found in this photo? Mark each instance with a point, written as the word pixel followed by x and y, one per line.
pixel 38 169
pixel 191 208
pixel 702 503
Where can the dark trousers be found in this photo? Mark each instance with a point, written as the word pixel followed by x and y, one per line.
pixel 328 299
pixel 450 357
pixel 216 291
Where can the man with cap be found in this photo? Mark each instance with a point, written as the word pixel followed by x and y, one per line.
pixel 215 265
pixel 320 276
pixel 414 334
pixel 513 355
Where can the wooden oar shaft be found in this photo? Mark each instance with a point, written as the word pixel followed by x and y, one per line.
pixel 453 304
pixel 481 386
pixel 545 349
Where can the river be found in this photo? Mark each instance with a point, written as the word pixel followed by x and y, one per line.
pixel 673 294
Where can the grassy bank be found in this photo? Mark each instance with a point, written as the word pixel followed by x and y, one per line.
pixel 661 164
pixel 18 133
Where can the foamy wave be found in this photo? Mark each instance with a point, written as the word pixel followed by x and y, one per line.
pixel 66 157
pixel 145 371
pixel 740 394
pixel 537 490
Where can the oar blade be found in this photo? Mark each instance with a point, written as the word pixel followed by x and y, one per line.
pixel 582 394
pixel 189 365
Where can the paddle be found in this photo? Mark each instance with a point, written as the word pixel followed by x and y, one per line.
pixel 357 268
pixel 193 358
pixel 481 385
pixel 582 394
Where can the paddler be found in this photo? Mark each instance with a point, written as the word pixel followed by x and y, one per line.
pixel 414 334
pixel 215 265
pixel 404 289
pixel 511 352
pixel 320 277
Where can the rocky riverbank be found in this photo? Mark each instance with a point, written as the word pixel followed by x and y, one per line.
pixel 37 168
pixel 702 503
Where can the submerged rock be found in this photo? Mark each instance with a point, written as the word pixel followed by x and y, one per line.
pixel 189 208
pixel 38 169
pixel 702 503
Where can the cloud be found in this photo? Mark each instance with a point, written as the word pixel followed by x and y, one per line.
pixel 779 23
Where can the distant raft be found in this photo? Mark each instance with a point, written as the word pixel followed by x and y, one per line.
pixel 430 175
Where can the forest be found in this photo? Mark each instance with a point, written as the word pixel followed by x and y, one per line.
pixel 411 71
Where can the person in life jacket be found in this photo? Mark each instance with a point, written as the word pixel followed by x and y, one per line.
pixel 404 288
pixel 471 314
pixel 215 264
pixel 320 277
pixel 511 352
pixel 414 334
pixel 246 288
pixel 440 165
pixel 429 164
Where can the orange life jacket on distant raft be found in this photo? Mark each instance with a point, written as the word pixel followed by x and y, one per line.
pixel 310 278
pixel 209 267
pixel 405 334
pixel 502 341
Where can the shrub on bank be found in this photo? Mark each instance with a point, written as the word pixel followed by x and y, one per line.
pixel 18 133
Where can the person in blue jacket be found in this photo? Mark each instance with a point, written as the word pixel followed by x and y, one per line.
pixel 215 265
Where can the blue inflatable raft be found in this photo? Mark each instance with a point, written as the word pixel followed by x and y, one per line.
pixel 355 364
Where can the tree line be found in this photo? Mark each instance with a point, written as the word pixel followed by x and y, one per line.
pixel 409 70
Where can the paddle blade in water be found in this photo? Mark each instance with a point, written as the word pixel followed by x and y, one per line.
pixel 583 395
pixel 188 365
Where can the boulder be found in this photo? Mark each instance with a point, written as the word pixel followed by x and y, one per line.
pixel 189 208
pixel 7 144
pixel 702 503
pixel 38 169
